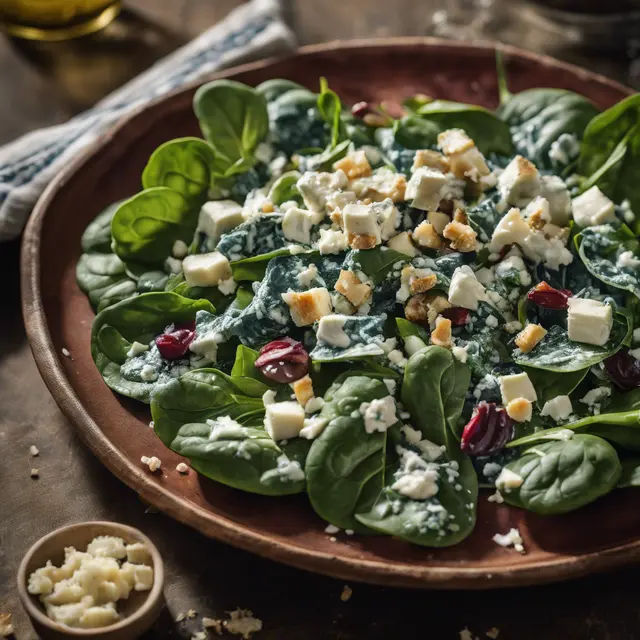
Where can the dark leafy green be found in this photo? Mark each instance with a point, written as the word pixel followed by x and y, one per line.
pixel 97 236
pixel 564 475
pixel 549 384
pixel 630 476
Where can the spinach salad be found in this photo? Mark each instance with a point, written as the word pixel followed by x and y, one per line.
pixel 384 313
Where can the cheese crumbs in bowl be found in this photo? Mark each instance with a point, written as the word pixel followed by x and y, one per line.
pixel 91 579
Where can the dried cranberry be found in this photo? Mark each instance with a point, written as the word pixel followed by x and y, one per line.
pixel 174 342
pixel 624 370
pixel 457 315
pixel 489 429
pixel 283 360
pixel 361 109
pixel 546 296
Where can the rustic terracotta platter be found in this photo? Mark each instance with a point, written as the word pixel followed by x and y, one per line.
pixel 57 315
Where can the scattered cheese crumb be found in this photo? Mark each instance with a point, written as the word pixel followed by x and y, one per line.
pixel 200 635
pixel 512 538
pixel 181 616
pixel 496 497
pixel 34 451
pixel 212 623
pixel 493 633
pixel 333 539
pixel 465 634
pixel 191 613
pixel 346 594
pixel 331 529
pixel 182 468
pixel 35 473
pixel 6 627
pixel 66 352
pixel 153 463
pixel 242 623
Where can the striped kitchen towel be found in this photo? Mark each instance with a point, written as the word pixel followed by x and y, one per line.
pixel 253 30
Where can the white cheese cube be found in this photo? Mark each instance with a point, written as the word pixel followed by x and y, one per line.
pixel 555 191
pixel 142 577
pixel 508 480
pixel 296 225
pixel 558 408
pixel 512 229
pixel 308 306
pixel 107 547
pixel 387 216
pixel 465 290
pixel 332 242
pixel 520 182
pixel 137 553
pixel 439 220
pixel 316 188
pixel 218 217
pixel 589 321
pixel 284 420
pixel 592 208
pixel 516 386
pixel 465 160
pixel 361 220
pixel 402 244
pixel 425 188
pixel 538 207
pixel 206 269
pixel 331 331
pixel 99 616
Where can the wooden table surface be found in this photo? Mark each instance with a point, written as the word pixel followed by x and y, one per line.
pixel 42 85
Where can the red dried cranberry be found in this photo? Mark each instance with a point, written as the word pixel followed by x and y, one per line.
pixel 624 370
pixel 457 315
pixel 546 296
pixel 174 342
pixel 283 360
pixel 360 109
pixel 489 429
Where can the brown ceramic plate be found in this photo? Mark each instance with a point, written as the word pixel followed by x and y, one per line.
pixel 57 316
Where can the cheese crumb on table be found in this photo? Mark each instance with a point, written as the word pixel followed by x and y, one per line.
pixel 346 594
pixel 35 473
pixel 34 451
pixel 66 352
pixel 153 463
pixel 493 633
pixel 6 627
pixel 181 467
pixel 242 623
pixel 510 539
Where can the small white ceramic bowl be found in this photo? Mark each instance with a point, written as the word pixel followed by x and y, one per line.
pixel 138 612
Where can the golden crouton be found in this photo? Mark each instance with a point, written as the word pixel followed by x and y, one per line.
pixel 423 308
pixel 303 389
pixel 420 285
pixel 426 235
pixel 431 159
pixel 357 241
pixel 529 337
pixel 460 216
pixel 355 165
pixel 441 335
pixel 268 207
pixel 519 410
pixel 462 236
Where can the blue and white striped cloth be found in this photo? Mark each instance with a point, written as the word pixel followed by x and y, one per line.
pixel 253 30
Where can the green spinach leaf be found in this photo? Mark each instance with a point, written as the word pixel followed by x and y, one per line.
pixel 549 384
pixel 145 227
pixel 630 476
pixel 285 188
pixel 330 108
pixel 97 236
pixel 564 475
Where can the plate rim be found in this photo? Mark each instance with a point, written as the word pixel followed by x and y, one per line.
pixel 216 525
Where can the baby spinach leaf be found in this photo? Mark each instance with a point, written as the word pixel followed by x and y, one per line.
pixel 489 132
pixel 564 475
pixel 254 237
pixel 285 188
pixel 241 457
pixel 330 108
pixel 184 165
pixel 376 263
pixel 601 250
pixel 549 384
pixel 234 120
pixel 412 334
pixel 99 274
pixel 324 160
pixel 244 369
pixel 346 465
pixel 610 151
pixel 442 520
pixel 177 284
pixel 557 353
pixel 414 132
pixel 201 395
pixel 139 319
pixel 435 374
pixel 485 215
pixel 145 227
pixel 275 87
pixel 97 236
pixel 538 118
pixel 630 476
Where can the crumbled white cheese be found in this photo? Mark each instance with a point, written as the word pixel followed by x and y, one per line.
pixel 332 242
pixel 173 265
pixel 136 349
pixel 152 462
pixel 592 208
pixel 558 408
pixel 308 275
pixel 496 497
pixel 34 451
pixel 331 331
pixel 627 260
pixel 296 225
pixel 508 480
pixel 595 396
pixel 379 414
pixel 512 538
pixel 465 290
pixel 242 623
pixel 519 183
pixel 227 287
pixel 313 427
pixel 181 467
pixel 179 249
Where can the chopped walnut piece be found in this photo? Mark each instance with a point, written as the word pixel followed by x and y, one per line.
pixel 426 235
pixel 432 159
pixel 361 241
pixel 355 165
pixel 423 308
pixel 536 221
pixel 519 410
pixel 462 236
pixel 441 335
pixel 352 288
pixel 420 285
pixel 529 337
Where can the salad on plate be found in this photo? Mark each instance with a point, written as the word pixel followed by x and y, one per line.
pixel 385 312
